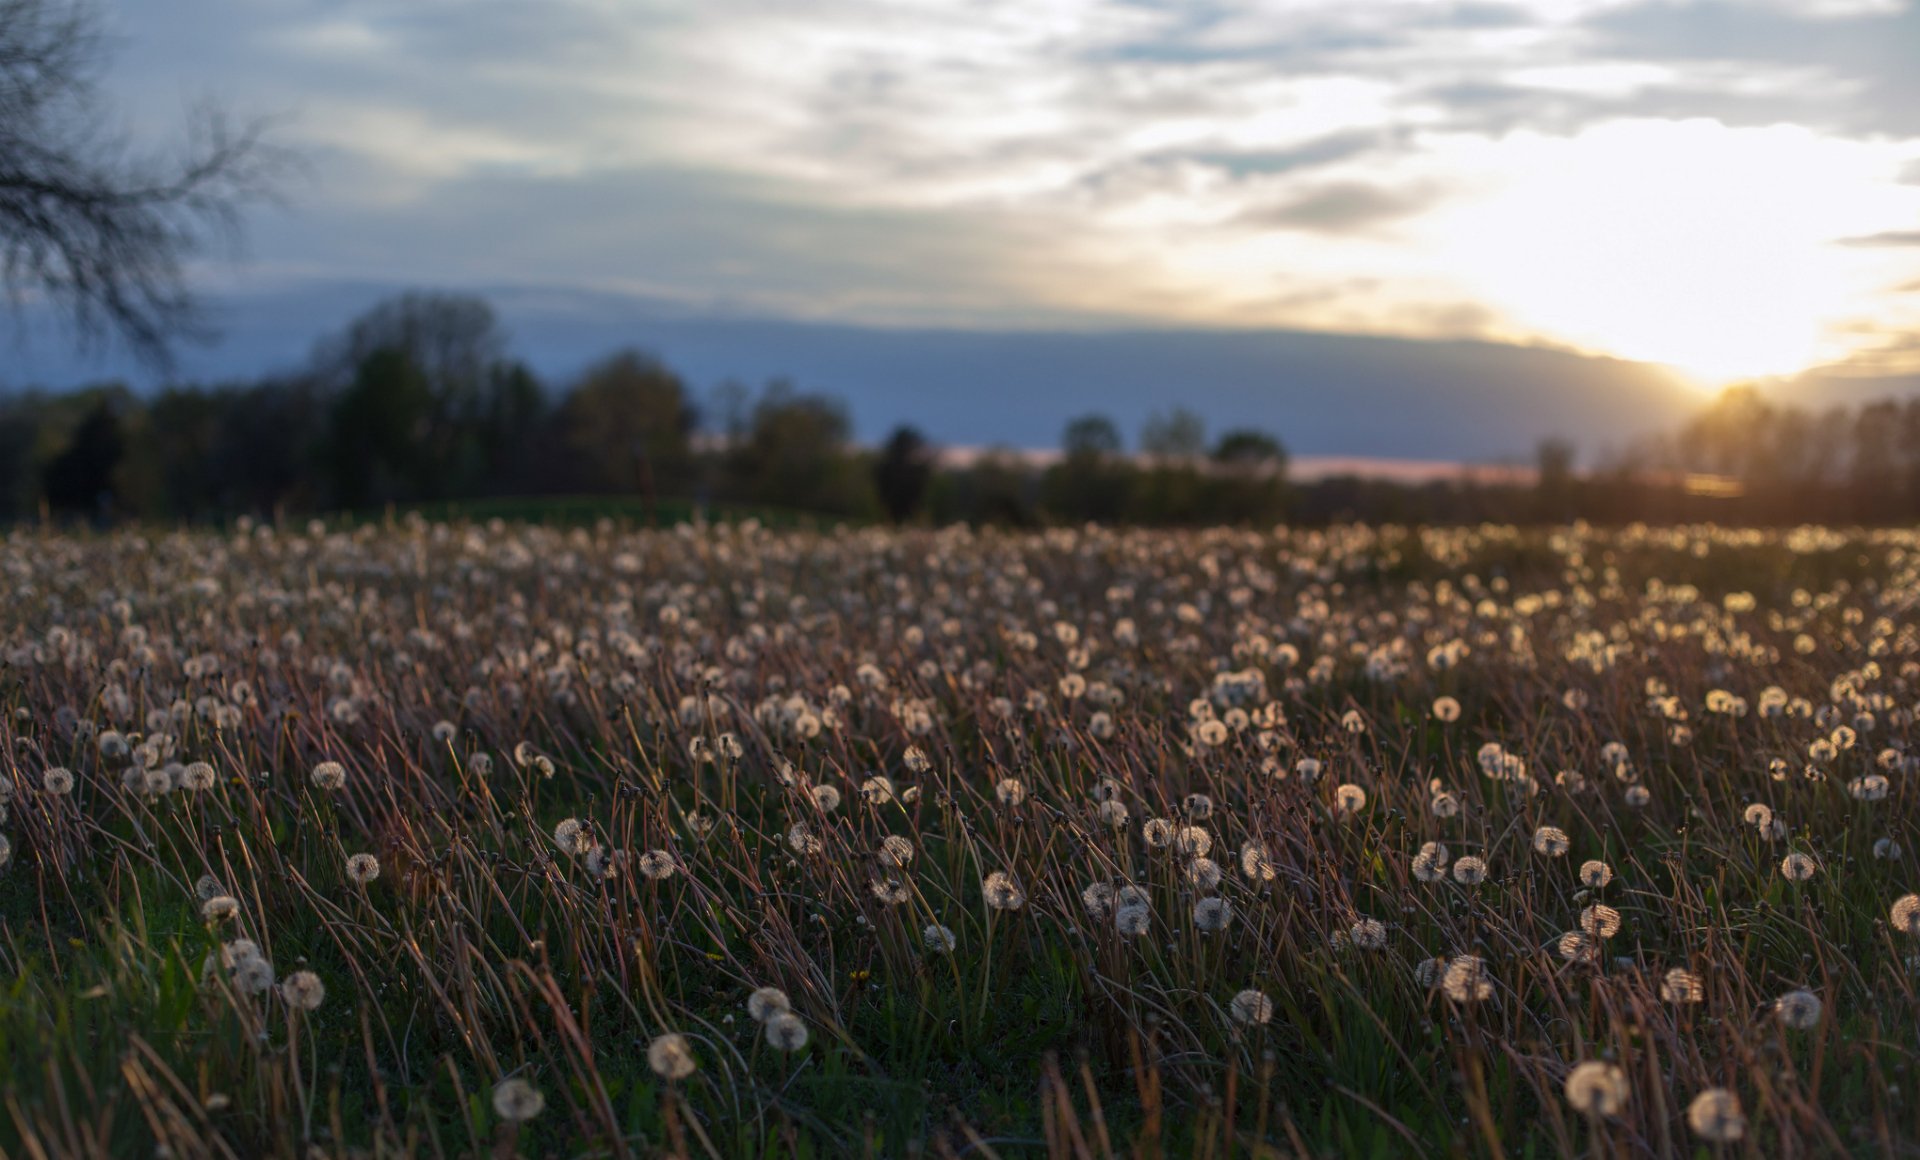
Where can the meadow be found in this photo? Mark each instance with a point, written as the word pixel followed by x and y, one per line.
pixel 489 838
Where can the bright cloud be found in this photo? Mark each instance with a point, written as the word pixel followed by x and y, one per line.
pixel 1667 182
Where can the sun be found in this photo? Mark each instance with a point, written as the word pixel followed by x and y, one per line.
pixel 1705 248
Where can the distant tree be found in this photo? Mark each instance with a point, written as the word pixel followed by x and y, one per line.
pixel 171 464
pixel 1249 482
pixel 454 355
pixel 79 480
pixel 1554 484
pixel 1179 434
pixel 267 452
pixel 101 233
pixel 628 423
pixel 1090 482
pixel 901 472
pixel 515 436
pixel 451 339
pixel 1247 447
pixel 1090 435
pixel 20 422
pixel 377 451
pixel 730 404
pixel 794 454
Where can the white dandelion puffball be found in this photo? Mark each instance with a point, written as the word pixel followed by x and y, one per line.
pixel 516 1101
pixel 1212 914
pixel 786 1031
pixel 1715 1116
pixel 766 1002
pixel 303 991
pixel 1466 979
pixel 328 775
pixel 1600 921
pixel 1369 934
pixel 1595 1088
pixel 1682 986
pixel 1906 914
pixel 1002 892
pixel 671 1056
pixel 1251 1007
pixel 1798 1009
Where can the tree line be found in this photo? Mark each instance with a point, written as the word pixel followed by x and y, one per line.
pixel 419 401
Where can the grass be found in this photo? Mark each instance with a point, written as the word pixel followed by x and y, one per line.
pixel 615 780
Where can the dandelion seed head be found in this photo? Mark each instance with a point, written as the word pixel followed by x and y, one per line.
pixel 1251 1007
pixel 517 1101
pixel 1466 979
pixel 1470 870
pixel 1682 986
pixel 1905 914
pixel 1600 921
pixel 1797 867
pixel 1595 1088
pixel 766 1002
pixel 363 868
pixel 671 1056
pixel 1212 914
pixel 303 991
pixel 1715 1116
pixel 1002 892
pixel 786 1032
pixel 1369 934
pixel 1799 1010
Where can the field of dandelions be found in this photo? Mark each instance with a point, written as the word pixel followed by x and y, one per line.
pixel 453 840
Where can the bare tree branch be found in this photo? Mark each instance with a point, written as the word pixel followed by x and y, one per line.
pixel 100 232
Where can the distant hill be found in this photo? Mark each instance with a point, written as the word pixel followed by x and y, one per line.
pixel 1324 394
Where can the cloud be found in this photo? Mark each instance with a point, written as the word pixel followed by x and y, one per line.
pixel 1885 238
pixel 1312 163
pixel 1343 208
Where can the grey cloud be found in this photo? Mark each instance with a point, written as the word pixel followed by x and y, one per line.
pixel 1332 148
pixel 1889 238
pixel 1344 207
pixel 1874 51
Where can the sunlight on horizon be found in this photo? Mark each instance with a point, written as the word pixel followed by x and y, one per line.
pixel 1687 244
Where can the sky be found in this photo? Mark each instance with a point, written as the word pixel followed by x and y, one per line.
pixel 1729 189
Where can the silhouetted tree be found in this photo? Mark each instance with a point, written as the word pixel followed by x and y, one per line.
pixel 1179 434
pixel 377 452
pixel 1090 435
pixel 1247 447
pixel 1248 483
pixel 458 385
pixel 793 454
pixel 1554 485
pixel 102 233
pixel 1090 482
pixel 901 472
pixel 627 423
pixel 79 480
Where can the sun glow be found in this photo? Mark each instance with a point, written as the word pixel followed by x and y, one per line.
pixel 1708 249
